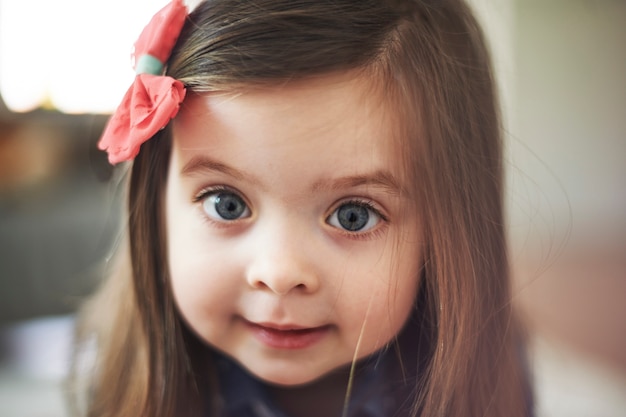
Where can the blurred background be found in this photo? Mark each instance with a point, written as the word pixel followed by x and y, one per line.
pixel 561 65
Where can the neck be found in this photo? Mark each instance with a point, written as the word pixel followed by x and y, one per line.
pixel 324 397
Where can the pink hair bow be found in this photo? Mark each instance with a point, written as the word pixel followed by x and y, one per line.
pixel 153 99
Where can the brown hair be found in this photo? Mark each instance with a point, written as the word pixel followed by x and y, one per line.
pixel 429 59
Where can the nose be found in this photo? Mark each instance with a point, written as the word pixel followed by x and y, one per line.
pixel 283 263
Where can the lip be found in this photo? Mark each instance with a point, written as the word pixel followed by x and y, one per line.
pixel 287 336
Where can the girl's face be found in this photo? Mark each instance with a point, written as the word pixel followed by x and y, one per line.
pixel 293 246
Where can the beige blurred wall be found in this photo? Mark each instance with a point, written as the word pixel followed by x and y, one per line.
pixel 567 172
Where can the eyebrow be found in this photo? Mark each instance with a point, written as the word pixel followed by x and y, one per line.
pixel 381 178
pixel 200 164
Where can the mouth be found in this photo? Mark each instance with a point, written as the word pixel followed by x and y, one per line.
pixel 289 337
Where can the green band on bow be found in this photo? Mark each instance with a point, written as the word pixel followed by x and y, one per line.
pixel 147 64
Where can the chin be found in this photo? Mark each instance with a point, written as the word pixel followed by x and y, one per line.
pixel 289 375
pixel 286 379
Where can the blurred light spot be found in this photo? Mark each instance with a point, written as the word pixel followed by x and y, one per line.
pixel 71 55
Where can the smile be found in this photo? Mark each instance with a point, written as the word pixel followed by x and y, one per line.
pixel 287 337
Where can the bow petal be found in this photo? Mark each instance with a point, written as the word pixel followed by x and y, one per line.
pixel 158 38
pixel 153 100
pixel 148 106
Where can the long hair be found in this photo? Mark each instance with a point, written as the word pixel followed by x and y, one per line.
pixel 429 60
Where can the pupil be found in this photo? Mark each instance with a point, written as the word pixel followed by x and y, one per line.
pixel 353 217
pixel 229 206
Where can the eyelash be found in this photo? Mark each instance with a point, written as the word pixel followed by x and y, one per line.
pixel 205 192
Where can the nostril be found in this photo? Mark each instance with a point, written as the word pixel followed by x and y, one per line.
pixel 282 287
pixel 281 276
pixel 261 285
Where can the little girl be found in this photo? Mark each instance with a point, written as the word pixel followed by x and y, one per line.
pixel 318 231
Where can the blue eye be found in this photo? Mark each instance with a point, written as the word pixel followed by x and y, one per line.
pixel 354 217
pixel 225 205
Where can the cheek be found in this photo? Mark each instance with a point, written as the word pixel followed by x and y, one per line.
pixel 201 281
pixel 190 260
pixel 393 305
pixel 382 316
pixel 204 294
pixel 192 289
pixel 383 299
pixel 200 270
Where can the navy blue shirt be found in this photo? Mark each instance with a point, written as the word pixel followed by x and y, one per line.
pixel 373 394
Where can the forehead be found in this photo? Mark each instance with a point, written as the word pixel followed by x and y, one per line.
pixel 340 119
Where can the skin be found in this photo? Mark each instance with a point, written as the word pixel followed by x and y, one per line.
pixel 294 154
